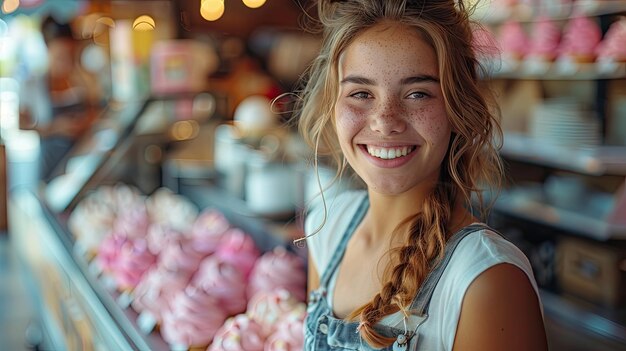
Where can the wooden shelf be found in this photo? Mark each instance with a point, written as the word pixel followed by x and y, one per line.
pixel 602 160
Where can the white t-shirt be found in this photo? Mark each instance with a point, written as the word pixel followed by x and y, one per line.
pixel 475 253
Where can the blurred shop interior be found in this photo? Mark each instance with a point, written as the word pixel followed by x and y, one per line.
pixel 152 181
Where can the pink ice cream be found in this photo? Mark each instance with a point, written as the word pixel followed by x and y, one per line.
pixel 239 249
pixel 132 261
pixel 133 221
pixel 613 47
pixel 171 210
pixel 288 334
pixel 193 319
pixel 513 41
pixel 545 40
pixel 90 222
pixel 208 229
pixel 223 281
pixel 181 256
pixel 580 39
pixel 108 252
pixel 268 308
pixel 156 291
pixel 161 236
pixel 278 269
pixel 239 333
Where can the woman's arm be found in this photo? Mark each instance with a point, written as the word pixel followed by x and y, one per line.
pixel 501 311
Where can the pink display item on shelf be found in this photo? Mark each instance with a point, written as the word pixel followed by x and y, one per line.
pixel 613 46
pixel 133 221
pixel 181 256
pixel 239 333
pixel 208 230
pixel 90 222
pixel 288 335
pixel 278 269
pixel 193 319
pixel 268 307
pixel 156 291
pixel 581 37
pixel 133 260
pixel 171 210
pixel 161 236
pixel 545 40
pixel 223 281
pixel 513 41
pixel 239 249
pixel 108 252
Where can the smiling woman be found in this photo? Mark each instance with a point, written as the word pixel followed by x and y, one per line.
pixel 405 264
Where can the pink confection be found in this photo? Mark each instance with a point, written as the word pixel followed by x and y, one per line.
pixel 133 221
pixel 181 256
pixel 239 249
pixel 288 335
pixel 156 291
pixel 613 47
pixel 239 333
pixel 161 236
pixel 268 308
pixel 513 41
pixel 193 319
pixel 90 222
pixel 545 40
pixel 278 269
pixel 133 260
pixel 580 39
pixel 108 252
pixel 208 229
pixel 172 210
pixel 119 196
pixel 223 281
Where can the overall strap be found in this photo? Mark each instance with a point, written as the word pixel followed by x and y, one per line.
pixel 357 217
pixel 422 300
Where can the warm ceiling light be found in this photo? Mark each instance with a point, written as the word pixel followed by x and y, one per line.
pixel 212 10
pixel 10 5
pixel 253 4
pixel 144 23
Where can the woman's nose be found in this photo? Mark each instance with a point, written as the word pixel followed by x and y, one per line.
pixel 388 118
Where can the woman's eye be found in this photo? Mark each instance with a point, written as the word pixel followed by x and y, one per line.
pixel 360 95
pixel 418 95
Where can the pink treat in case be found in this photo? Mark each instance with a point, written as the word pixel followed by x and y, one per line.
pixel 613 47
pixel 278 269
pixel 513 41
pixel 133 260
pixel 181 256
pixel 193 319
pixel 109 250
pixel 288 335
pixel 161 236
pixel 268 308
pixel 156 291
pixel 223 281
pixel 239 333
pixel 580 39
pixel 208 229
pixel 134 221
pixel 545 40
pixel 239 249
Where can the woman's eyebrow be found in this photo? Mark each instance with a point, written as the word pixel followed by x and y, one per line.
pixel 358 80
pixel 422 78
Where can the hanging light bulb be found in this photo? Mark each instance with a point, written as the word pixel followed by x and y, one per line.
pixel 10 6
pixel 253 4
pixel 212 10
pixel 144 23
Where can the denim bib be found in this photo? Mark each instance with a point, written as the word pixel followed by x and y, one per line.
pixel 324 332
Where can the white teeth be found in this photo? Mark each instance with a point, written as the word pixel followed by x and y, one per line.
pixel 389 153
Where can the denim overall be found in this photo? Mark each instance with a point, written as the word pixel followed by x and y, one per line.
pixel 324 332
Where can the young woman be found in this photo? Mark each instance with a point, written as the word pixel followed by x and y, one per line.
pixel 405 265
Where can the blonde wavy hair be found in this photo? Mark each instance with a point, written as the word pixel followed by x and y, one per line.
pixel 471 163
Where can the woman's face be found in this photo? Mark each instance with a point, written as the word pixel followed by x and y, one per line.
pixel 390 114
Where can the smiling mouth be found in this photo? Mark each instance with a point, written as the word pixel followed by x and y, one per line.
pixel 389 153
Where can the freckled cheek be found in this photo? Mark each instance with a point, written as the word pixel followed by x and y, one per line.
pixel 433 125
pixel 349 118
